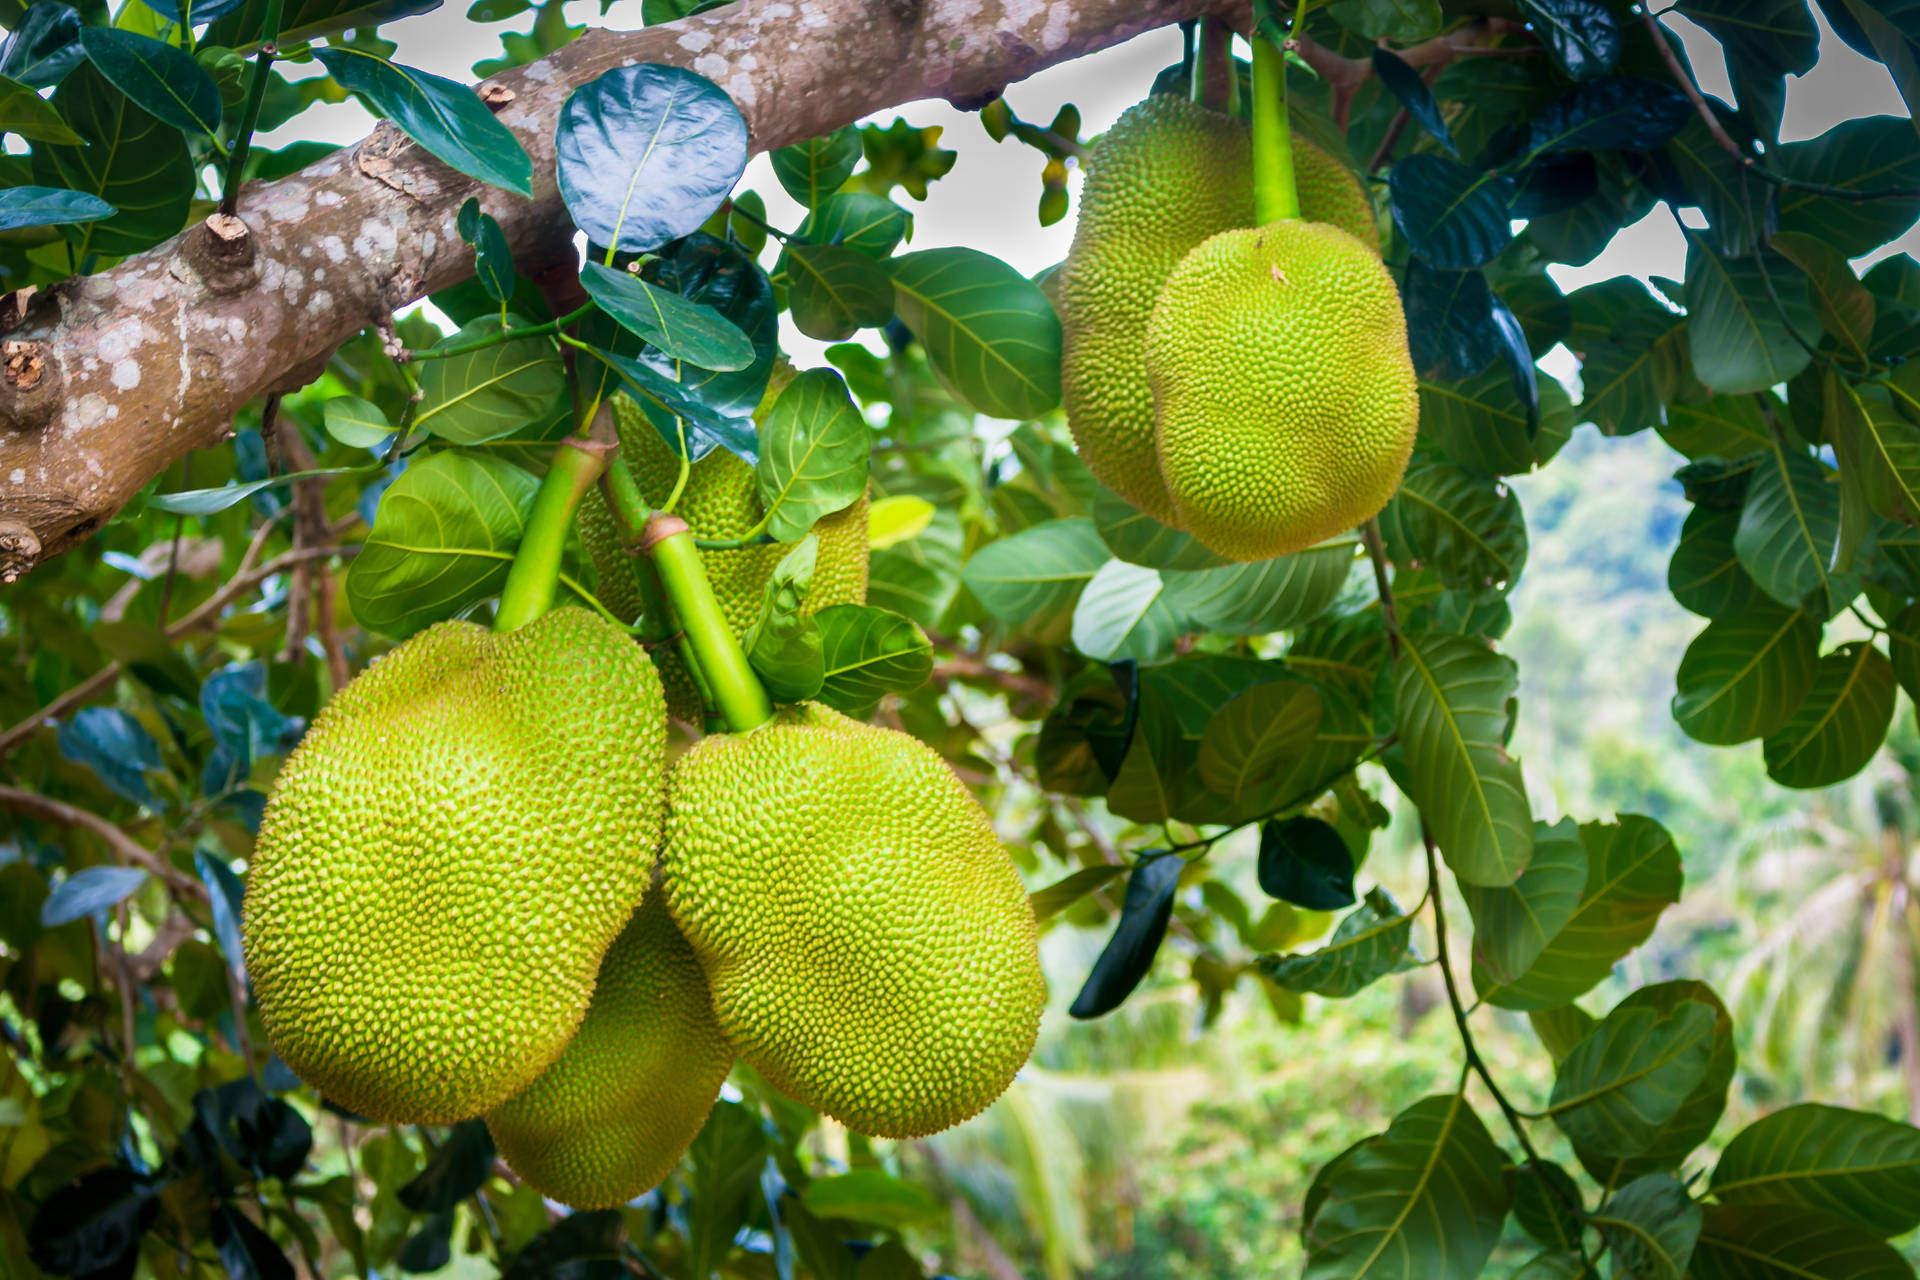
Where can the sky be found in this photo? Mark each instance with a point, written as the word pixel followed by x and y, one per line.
pixel 987 202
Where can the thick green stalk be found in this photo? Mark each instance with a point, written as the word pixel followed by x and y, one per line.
pixel 535 576
pixel 630 516
pixel 737 692
pixel 1274 195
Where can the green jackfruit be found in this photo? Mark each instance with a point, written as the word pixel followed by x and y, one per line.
pixel 868 943
pixel 1168 174
pixel 614 1113
pixel 447 855
pixel 1286 399
pixel 721 501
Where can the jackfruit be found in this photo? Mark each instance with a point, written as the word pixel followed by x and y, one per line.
pixel 614 1113
pixel 445 858
pixel 866 938
pixel 1285 396
pixel 1168 174
pixel 721 501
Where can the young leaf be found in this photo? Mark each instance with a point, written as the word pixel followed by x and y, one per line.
pixel 678 329
pixel 783 643
pixel 1423 1201
pixel 135 164
pixel 1450 704
pixel 1841 722
pixel 868 653
pixel 1854 1164
pixel 990 332
pixel 1373 940
pixel 646 154
pixel 1304 861
pixel 444 116
pixel 1136 937
pixel 492 255
pixel 814 451
pixel 160 77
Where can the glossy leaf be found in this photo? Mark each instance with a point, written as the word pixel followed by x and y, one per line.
pixel 1878 450
pixel 1623 113
pixel 1452 216
pixel 1481 422
pixel 492 392
pixel 868 653
pixel 1617 1088
pixel 1513 924
pixel 1372 941
pixel 646 154
pixel 1856 1165
pixel 1423 1201
pixel 813 170
pixel 1450 704
pixel 1124 613
pixel 835 291
pixel 989 332
pixel 43 46
pixel 1746 674
pixel 1633 874
pixel 1262 596
pixel 1405 84
pixel 159 77
pixel 137 165
pixel 356 423
pixel 1466 528
pixel 1449 321
pixel 1583 37
pixel 48 207
pixel 492 255
pixel 1843 305
pixel 444 116
pixel 678 329
pixel 1136 938
pixel 813 454
pixel 858 220
pixel 679 411
pixel 243 27
pixel 1840 724
pixel 26 113
pixel 1304 861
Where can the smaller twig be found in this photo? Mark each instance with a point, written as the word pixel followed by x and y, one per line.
pixel 250 113
pixel 131 851
pixel 1377 554
pixel 1692 90
pixel 127 996
pixel 270 435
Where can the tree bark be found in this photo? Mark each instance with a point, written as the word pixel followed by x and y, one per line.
pixel 111 378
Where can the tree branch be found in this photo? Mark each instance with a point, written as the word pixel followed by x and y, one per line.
pixel 35 805
pixel 111 378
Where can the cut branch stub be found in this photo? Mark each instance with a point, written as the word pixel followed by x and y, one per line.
pixel 222 254
pixel 29 385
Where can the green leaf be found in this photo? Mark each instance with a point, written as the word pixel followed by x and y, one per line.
pixel 1868 154
pixel 1136 938
pixel 356 423
pixel 1745 675
pixel 1453 216
pixel 1787 1242
pixel 1843 306
pixel 858 220
pixel 1840 724
pixel 492 392
pixel 1878 449
pixel 1467 528
pixel 1633 354
pixel 161 78
pixel 49 207
pixel 1450 699
pixel 1247 740
pixel 834 291
pixel 1547 1204
pixel 1036 575
pixel 1651 1225
pixel 1372 941
pixel 1304 861
pixel 868 653
pixel 1733 201
pixel 135 163
pixel 1555 1264
pixel 442 539
pixel 814 451
pixel 1903 643
pixel 1423 1201
pixel 784 644
pixel 678 329
pixel 1146 779
pixel 1633 874
pixel 244 28
pixel 1854 1164
pixel 26 113
pixel 492 255
pixel 1514 923
pixel 1724 427
pixel 1136 537
pixel 1620 1086
pixel 1705 574
pixel 811 171
pixel 1742 317
pixel 1560 1028
pixel 872 1197
pixel 1063 893
pixel 1701 1109
pixel 1262 596
pixel 989 332
pixel 1402 20
pixel 444 116
pixel 1480 421
pixel 1124 613
pixel 204 502
pixel 1788 529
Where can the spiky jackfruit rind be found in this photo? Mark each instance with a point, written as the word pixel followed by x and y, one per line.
pixel 867 941
pixel 446 856
pixel 615 1112
pixel 1285 397
pixel 1168 174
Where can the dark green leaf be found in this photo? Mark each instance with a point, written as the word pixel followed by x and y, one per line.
pixel 1651 1225
pixel 1701 1109
pixel 1513 924
pixel 1136 537
pixel 1841 303
pixel 159 77
pixel 1788 528
pixel 1452 216
pixel 1547 1204
pixel 136 164
pixel 459 1168
pixel 204 502
pixel 1743 315
pixel 1704 574
pixel 1869 154
pixel 43 46
pixel 1619 1087
pixel 1372 941
pixel 1482 422
pixel 679 411
pixel 989 331
pixel 834 291
pixel 1878 450
pixel 1840 724
pixel 1136 938
pixel 1061 894
pixel 1037 575
pixel 813 170
pixel 1860 1166
pixel 1623 113
pixel 1582 36
pixel 247 1252
pixel 1450 705
pixel 492 392
pixel 1402 20
pixel 1467 528
pixel 444 116
pixel 814 447
pixel 1632 355
pixel 492 255
pixel 245 26
pixel 1724 427
pixel 1745 675
pixel 1449 321
pixel 1304 861
pixel 1787 1242
pixel 646 154
pixel 858 220
pixel 726 279
pixel 1405 84
pixel 26 113
pixel 868 653
pixel 678 329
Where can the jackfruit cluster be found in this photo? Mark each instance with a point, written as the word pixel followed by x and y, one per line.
pixel 1173 176
pixel 721 501
pixel 445 858
pixel 867 940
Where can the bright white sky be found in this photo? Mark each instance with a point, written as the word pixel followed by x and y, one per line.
pixel 987 202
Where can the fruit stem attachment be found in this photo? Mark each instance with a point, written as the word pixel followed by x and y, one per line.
pixel 535 576
pixel 737 692
pixel 1274 195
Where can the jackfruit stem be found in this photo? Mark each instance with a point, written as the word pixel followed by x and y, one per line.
pixel 534 578
pixel 1274 195
pixel 737 692
pixel 1215 80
